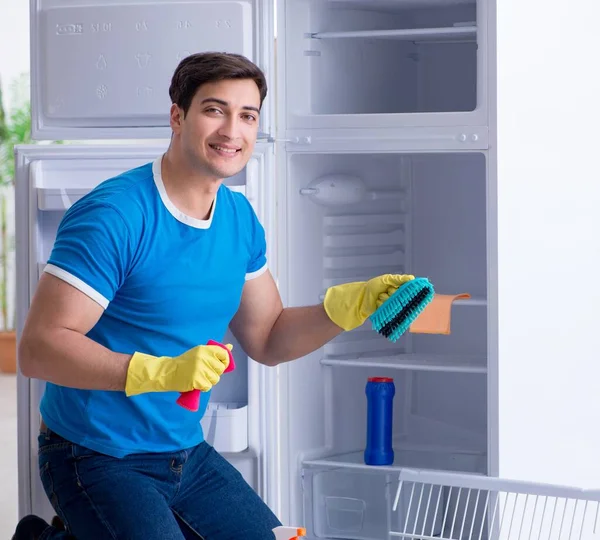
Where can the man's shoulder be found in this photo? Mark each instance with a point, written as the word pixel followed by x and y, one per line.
pixel 239 203
pixel 128 186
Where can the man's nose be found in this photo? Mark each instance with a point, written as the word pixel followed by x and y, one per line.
pixel 230 127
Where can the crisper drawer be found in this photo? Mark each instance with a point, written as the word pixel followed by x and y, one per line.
pixel 348 504
pixel 346 499
pixel 359 505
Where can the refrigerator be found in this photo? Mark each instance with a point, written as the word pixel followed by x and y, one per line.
pixel 452 139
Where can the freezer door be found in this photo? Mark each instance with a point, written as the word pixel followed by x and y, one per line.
pixel 103 69
pixel 49 179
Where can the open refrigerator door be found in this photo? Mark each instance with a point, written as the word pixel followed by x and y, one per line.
pixel 50 178
pixel 100 77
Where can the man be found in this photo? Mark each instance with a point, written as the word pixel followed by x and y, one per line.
pixel 145 270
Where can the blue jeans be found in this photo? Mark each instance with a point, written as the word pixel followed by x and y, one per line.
pixel 190 494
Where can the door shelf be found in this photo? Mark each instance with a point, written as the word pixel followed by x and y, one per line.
pixel 225 426
pixel 417 362
pixel 473 302
pixel 411 34
pixel 61 199
pixel 50 199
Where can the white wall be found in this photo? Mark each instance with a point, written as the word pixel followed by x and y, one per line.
pixel 14 42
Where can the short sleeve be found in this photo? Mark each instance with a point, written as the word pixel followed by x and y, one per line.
pixel 258 256
pixel 92 251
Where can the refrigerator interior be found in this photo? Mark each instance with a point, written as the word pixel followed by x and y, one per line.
pixel 417 213
pixel 381 56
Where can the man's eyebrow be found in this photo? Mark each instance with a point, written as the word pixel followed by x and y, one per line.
pixel 225 104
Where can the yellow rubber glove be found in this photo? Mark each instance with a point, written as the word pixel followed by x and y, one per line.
pixel 350 304
pixel 200 368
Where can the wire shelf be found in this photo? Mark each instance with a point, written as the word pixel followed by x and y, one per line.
pixel 432 505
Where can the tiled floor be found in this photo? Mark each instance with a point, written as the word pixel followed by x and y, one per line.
pixel 8 455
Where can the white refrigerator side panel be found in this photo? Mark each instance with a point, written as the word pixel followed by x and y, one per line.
pixel 548 223
pixel 49 180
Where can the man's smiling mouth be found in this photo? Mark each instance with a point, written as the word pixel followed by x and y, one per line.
pixel 224 149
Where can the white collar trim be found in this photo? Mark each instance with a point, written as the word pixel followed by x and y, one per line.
pixel 173 210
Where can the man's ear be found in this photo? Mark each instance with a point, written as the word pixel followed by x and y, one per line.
pixel 176 118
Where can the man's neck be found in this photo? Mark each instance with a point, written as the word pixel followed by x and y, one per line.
pixel 192 193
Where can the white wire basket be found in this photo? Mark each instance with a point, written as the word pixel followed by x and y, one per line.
pixel 431 505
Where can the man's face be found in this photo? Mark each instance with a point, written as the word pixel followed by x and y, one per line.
pixel 219 131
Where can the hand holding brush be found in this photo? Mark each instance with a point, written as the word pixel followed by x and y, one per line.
pixel 391 301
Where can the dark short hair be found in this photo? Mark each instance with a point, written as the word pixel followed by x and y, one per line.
pixel 206 67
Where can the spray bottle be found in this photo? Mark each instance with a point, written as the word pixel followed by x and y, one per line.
pixel 288 533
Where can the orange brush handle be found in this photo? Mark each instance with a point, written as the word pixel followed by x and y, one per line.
pixel 191 400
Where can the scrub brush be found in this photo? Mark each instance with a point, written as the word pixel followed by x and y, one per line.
pixel 398 312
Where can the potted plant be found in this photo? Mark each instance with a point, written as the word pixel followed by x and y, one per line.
pixel 15 128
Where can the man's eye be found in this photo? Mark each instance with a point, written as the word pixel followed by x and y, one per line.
pixel 213 110
pixel 249 117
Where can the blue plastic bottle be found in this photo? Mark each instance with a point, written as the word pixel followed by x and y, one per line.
pixel 380 401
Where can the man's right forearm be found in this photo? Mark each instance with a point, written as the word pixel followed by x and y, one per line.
pixel 68 358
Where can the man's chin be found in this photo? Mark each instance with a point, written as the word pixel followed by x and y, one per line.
pixel 228 171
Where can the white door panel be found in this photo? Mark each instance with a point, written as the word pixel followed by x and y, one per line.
pixel 103 70
pixel 49 180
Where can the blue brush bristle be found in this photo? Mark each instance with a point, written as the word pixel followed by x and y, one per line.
pixel 398 312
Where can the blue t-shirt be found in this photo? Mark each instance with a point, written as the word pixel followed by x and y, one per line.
pixel 167 281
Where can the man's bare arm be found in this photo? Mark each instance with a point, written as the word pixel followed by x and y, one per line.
pixel 271 334
pixel 54 347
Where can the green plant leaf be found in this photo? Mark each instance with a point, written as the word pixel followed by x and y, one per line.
pixel 3 126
